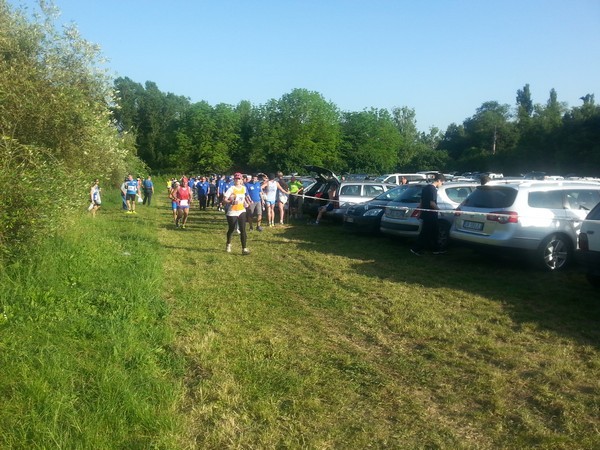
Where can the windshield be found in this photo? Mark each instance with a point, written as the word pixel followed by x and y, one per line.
pixel 412 194
pixel 491 197
pixel 393 194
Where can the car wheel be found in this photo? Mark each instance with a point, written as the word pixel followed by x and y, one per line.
pixel 593 279
pixel 554 253
pixel 443 234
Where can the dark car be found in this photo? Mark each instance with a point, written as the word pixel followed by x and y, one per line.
pixel 366 217
pixel 315 195
pixel 589 245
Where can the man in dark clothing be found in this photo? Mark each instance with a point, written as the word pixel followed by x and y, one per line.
pixel 148 190
pixel 429 235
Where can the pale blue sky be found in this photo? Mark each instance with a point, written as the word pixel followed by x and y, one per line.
pixel 442 58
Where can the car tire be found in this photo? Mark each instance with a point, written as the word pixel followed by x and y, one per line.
pixel 443 234
pixel 555 253
pixel 593 279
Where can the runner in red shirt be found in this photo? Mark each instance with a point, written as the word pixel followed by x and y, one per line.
pixel 183 196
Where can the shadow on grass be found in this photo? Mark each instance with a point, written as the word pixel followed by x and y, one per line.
pixel 562 302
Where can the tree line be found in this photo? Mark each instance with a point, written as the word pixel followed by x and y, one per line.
pixel 175 135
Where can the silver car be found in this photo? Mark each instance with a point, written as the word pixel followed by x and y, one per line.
pixel 401 217
pixel 540 217
pixel 357 192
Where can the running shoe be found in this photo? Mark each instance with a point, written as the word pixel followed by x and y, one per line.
pixel 228 248
pixel 245 251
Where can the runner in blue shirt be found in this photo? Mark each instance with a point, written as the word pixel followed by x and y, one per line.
pixel 202 190
pixel 255 201
pixel 221 192
pixel 131 191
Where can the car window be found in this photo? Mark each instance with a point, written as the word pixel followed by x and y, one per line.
pixel 373 190
pixel 546 199
pixel 457 194
pixel 392 194
pixel 594 213
pixel 491 197
pixel 350 189
pixel 582 199
pixel 411 195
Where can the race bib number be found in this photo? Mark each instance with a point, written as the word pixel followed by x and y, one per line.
pixel 184 203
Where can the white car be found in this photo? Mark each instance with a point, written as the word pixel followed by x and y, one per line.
pixel 541 218
pixel 589 245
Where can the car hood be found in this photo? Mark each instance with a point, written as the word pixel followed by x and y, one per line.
pixel 321 173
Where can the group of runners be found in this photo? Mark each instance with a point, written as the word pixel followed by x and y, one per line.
pixel 243 198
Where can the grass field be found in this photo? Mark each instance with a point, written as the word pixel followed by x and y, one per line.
pixel 127 333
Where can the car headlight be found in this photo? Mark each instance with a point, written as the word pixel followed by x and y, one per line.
pixel 373 212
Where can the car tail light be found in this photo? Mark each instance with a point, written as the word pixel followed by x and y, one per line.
pixel 503 216
pixel 416 213
pixel 457 211
pixel 584 244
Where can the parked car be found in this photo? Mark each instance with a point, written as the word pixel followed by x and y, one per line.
pixel 348 193
pixel 540 217
pixel 396 178
pixel 315 195
pixel 366 217
pixel 401 217
pixel 589 245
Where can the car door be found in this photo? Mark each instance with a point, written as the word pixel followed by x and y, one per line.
pixel 578 203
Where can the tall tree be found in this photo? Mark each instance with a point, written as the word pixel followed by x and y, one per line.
pixel 524 105
pixel 300 128
pixel 370 141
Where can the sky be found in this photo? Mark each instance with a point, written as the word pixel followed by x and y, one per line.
pixel 442 58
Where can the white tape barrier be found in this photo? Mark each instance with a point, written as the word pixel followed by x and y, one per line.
pixel 499 216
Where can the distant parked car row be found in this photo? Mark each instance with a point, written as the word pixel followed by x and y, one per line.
pixel 543 220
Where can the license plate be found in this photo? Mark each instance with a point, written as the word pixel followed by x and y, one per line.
pixel 349 219
pixel 476 226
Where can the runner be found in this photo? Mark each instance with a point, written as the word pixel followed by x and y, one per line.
pixel 235 198
pixel 184 196
pixel 95 197
pixel 254 198
pixel 173 196
pixel 131 190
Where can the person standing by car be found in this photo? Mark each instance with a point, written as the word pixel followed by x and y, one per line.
pixel 295 190
pixel 282 197
pixel 271 187
pixel 331 194
pixel 429 234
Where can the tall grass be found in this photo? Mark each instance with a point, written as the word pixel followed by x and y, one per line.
pixel 84 349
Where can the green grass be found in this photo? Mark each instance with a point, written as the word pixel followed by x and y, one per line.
pixel 318 339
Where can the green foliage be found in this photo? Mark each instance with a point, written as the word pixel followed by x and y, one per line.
pixel 370 141
pixel 300 128
pixel 37 194
pixel 55 125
